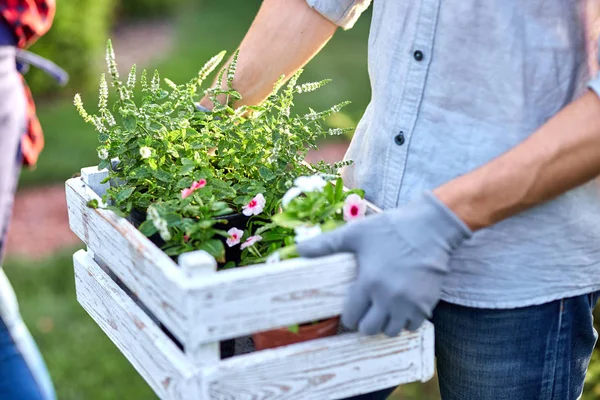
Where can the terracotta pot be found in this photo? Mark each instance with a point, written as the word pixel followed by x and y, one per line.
pixel 283 336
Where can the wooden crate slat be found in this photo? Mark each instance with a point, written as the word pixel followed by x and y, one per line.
pixel 241 301
pixel 323 369
pixel 143 267
pixel 152 353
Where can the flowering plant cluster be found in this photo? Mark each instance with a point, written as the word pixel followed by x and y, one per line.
pixel 186 170
pixel 312 206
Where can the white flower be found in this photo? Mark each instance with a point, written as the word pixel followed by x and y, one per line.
pixel 235 235
pixel 290 195
pixel 305 232
pixel 103 95
pixel 102 153
pixel 354 207
pixel 159 223
pixel 273 258
pixel 98 124
pixel 153 213
pixel 256 205
pixel 314 183
pixel 165 234
pixel 336 131
pixel 145 151
pixel 251 241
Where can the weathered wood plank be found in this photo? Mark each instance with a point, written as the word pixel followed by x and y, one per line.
pixel 146 270
pixel 94 177
pixel 238 302
pixel 323 369
pixel 195 265
pixel 152 353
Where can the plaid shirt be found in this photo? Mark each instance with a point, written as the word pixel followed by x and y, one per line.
pixel 29 20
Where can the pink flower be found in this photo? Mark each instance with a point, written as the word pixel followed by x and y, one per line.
pixel 235 235
pixel 195 186
pixel 199 184
pixel 256 205
pixel 251 241
pixel 186 192
pixel 354 207
pixel 186 238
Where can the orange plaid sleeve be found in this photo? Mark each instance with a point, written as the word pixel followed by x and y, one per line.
pixel 29 20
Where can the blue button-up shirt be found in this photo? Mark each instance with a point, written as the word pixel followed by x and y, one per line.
pixel 456 83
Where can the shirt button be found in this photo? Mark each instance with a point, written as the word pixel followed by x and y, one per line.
pixel 399 139
pixel 418 55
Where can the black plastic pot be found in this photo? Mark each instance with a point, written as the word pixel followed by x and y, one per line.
pixel 136 217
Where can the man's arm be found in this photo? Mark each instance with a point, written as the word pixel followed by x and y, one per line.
pixel 562 154
pixel 284 36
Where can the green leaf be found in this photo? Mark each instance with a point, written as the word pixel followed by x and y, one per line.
pixel 331 210
pixel 218 206
pixel 140 173
pixel 207 223
pixel 266 173
pixel 286 221
pixel 187 167
pixel 339 190
pixel 184 182
pixel 328 191
pixel 229 265
pixel 215 248
pixel 92 203
pixel 130 123
pixel 147 228
pixel 104 164
pixel 294 329
pixel 103 137
pixel 124 194
pixel 162 175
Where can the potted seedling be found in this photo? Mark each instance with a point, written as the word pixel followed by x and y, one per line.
pixel 312 206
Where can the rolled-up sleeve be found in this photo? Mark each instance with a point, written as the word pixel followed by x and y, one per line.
pixel 595 83
pixel 343 13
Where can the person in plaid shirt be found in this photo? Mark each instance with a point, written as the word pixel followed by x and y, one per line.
pixel 23 374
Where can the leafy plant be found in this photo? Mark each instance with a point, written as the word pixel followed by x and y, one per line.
pixel 311 207
pixel 185 168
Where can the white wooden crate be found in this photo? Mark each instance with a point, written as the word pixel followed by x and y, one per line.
pixel 200 307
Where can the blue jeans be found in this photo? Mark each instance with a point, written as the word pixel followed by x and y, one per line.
pixel 531 353
pixel 17 381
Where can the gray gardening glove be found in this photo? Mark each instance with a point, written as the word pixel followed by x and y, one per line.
pixel 402 258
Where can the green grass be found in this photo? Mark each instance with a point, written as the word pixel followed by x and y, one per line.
pixel 201 32
pixel 83 362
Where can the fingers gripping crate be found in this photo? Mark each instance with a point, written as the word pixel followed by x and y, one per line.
pixel 131 288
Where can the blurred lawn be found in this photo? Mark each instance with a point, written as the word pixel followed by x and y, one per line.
pixel 201 32
pixel 84 363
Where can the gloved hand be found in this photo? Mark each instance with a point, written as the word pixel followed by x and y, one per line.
pixel 402 255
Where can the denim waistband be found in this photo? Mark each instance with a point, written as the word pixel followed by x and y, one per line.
pixel 7 36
